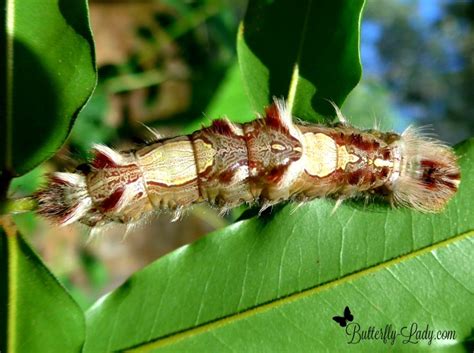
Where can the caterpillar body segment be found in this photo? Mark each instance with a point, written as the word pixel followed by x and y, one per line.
pixel 266 161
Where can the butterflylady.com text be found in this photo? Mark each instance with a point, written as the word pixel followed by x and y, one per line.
pixel 410 334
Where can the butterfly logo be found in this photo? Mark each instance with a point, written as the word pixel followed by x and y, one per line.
pixel 343 320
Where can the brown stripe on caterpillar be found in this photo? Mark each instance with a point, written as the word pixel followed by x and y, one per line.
pixel 265 161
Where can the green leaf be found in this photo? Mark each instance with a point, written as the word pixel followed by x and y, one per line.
pixel 226 290
pixel 306 52
pixel 47 72
pixel 36 313
pixel 230 101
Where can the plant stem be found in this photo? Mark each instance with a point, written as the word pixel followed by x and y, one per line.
pixel 5 178
pixel 25 204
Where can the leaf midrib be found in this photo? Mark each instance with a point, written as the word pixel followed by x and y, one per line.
pixel 295 75
pixel 224 321
pixel 10 24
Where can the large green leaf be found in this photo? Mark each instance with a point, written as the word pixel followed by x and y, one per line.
pixel 47 73
pixel 307 52
pixel 389 265
pixel 36 313
pixel 417 285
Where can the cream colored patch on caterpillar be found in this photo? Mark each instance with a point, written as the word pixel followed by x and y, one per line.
pixel 170 164
pixel 321 154
pixel 344 157
pixel 205 153
pixel 378 162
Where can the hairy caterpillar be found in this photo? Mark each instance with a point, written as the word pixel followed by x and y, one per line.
pixel 268 160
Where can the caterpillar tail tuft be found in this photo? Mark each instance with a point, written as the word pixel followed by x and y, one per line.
pixel 266 161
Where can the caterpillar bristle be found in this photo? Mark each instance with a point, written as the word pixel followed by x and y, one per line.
pixel 429 175
pixel 65 199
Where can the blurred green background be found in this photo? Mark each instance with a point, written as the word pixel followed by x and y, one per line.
pixel 172 65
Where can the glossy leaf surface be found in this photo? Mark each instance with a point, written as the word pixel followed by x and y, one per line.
pixel 36 312
pixel 307 53
pixel 47 73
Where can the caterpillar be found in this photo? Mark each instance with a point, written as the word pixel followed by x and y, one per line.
pixel 266 161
